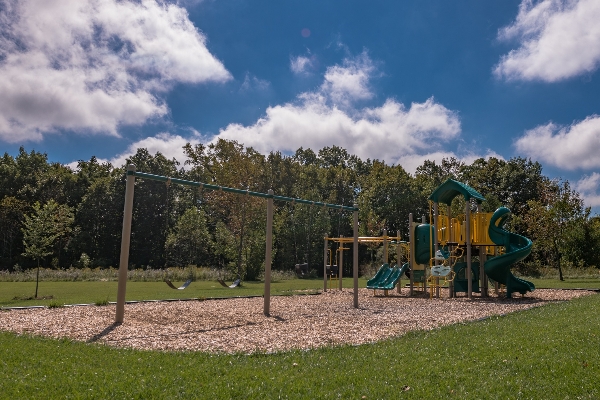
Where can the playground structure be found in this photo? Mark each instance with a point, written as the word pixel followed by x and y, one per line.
pixel 128 215
pixel 449 252
pixel 386 279
pixel 441 253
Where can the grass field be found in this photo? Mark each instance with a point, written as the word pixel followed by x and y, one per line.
pixel 550 352
pixel 13 294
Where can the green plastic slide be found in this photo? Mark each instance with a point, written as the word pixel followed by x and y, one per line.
pixel 394 277
pixel 379 277
pixel 386 278
pixel 517 248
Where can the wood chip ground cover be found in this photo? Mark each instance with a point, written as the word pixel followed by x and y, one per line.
pixel 239 326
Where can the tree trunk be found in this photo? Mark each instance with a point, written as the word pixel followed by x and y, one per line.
pixel 239 260
pixel 37 279
pixel 560 273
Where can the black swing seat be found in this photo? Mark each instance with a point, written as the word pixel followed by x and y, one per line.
pixel 186 284
pixel 236 283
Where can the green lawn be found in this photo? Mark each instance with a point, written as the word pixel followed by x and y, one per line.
pixel 568 283
pixel 550 352
pixel 14 294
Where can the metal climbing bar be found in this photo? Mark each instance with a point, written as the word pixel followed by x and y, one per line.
pixel 238 191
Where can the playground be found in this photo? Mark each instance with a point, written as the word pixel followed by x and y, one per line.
pixel 237 325
pixel 454 254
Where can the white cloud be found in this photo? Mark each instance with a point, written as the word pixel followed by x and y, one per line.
pixel 349 82
pixel 568 147
pixel 170 146
pixel 558 39
pixel 254 83
pixel 411 162
pixel 93 65
pixel 300 65
pixel 304 65
pixel 327 116
pixel 589 187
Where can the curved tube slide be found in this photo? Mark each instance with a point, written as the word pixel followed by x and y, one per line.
pixel 517 248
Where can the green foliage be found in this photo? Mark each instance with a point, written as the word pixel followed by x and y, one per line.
pixel 56 304
pixel 189 242
pixel 538 353
pixel 175 225
pixel 39 233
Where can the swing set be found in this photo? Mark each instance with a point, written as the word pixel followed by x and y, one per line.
pixel 270 197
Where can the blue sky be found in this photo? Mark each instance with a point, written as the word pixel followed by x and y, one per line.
pixel 400 81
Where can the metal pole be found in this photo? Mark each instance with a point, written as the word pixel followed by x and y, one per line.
pixel 398 246
pixel 355 258
pixel 482 259
pixel 341 266
pixel 436 247
pixel 385 247
pixel 411 260
pixel 468 241
pixel 452 239
pixel 325 260
pixel 269 248
pixel 125 241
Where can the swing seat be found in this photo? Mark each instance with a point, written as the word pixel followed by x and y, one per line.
pixel 236 283
pixel 186 284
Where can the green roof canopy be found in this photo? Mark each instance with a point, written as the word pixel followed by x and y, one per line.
pixel 448 190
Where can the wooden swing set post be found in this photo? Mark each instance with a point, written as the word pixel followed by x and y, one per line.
pixel 127 217
pixel 125 241
pixel 268 250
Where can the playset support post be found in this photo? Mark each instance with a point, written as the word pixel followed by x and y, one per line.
pixel 411 258
pixel 325 260
pixel 435 242
pixel 482 260
pixel 468 242
pixel 385 247
pixel 398 246
pixel 341 264
pixel 451 238
pixel 268 252
pixel 125 241
pixel 355 256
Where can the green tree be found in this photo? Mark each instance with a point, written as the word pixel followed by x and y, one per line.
pixel 99 218
pixel 189 242
pixel 12 212
pixel 155 210
pixel 228 163
pixel 550 219
pixel 39 234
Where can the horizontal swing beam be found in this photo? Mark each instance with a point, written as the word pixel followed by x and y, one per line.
pixel 366 239
pixel 237 191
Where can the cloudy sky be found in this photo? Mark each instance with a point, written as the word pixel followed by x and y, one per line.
pixel 400 81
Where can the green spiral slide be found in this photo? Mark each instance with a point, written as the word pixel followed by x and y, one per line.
pixel 517 248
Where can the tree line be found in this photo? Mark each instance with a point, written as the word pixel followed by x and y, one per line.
pixel 65 218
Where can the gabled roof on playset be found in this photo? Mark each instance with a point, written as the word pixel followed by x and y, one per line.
pixel 448 190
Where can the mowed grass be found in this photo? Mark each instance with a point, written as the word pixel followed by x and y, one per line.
pixel 17 294
pixel 550 352
pixel 568 283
